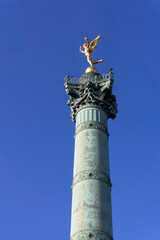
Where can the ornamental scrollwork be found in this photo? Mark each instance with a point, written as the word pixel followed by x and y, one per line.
pixel 85 175
pixel 91 235
pixel 91 124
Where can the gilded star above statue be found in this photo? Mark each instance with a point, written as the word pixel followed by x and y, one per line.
pixel 89 47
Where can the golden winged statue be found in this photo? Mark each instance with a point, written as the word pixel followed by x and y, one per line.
pixel 89 47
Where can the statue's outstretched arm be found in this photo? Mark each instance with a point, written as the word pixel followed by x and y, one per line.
pixel 81 49
pixel 87 40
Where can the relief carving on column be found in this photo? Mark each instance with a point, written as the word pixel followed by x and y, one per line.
pixel 91 90
pixel 91 235
pixel 85 175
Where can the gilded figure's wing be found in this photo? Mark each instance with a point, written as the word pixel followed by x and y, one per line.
pixel 93 44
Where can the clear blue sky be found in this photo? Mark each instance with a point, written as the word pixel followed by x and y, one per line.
pixel 39 45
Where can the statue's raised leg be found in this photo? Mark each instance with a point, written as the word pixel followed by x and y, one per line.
pixel 95 62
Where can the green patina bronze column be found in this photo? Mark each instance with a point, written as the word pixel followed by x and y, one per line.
pixel 92 104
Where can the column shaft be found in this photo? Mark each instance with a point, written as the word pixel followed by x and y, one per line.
pixel 91 197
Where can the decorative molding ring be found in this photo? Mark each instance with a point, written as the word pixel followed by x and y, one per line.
pixel 97 175
pixel 91 125
pixel 91 234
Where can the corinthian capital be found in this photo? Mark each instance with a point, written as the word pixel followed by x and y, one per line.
pixel 91 90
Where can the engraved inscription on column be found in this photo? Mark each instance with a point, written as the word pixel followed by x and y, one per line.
pixel 93 151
